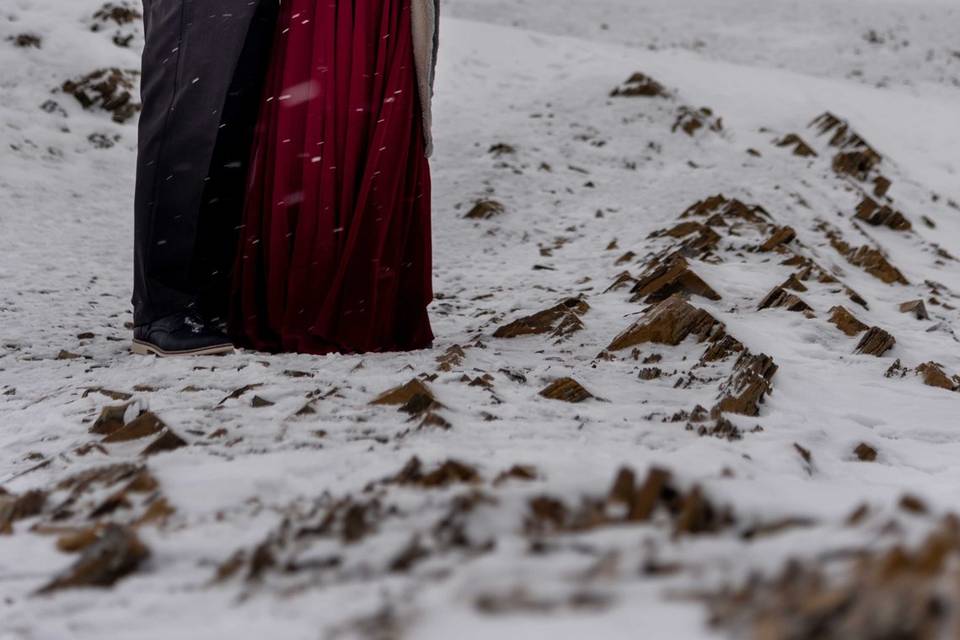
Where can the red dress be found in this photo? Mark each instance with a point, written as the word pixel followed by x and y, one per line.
pixel 335 251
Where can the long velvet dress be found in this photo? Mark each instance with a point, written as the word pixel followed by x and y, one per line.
pixel 335 248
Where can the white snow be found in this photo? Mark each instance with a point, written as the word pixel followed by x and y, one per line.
pixel 535 74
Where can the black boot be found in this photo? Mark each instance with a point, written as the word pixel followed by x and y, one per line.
pixel 182 334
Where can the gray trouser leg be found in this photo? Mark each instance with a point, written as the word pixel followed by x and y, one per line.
pixel 195 64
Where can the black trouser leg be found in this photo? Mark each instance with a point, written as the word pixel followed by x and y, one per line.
pixel 198 75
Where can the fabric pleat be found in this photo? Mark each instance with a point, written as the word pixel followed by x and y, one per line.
pixel 335 249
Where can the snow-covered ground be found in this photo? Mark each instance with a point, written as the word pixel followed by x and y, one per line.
pixel 295 523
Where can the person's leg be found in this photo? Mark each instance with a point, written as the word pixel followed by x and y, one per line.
pixel 190 62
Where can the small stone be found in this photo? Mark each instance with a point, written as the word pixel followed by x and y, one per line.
pixel 865 452
pixel 485 210
pixel 567 390
pixel 916 308
pixel 117 553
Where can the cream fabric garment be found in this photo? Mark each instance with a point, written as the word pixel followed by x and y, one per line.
pixel 425 19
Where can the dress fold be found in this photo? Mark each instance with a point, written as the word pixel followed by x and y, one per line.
pixel 335 249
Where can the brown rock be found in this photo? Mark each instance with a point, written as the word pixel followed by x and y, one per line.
pixel 110 419
pixel 13 508
pixel 881 186
pixel 780 236
pixel 451 358
pixel 485 210
pixel 669 322
pixel 117 553
pixel 934 376
pixel 865 452
pixel 567 390
pixel 145 425
pixel 167 441
pixel 873 213
pixel 447 473
pixel 674 276
pixel 640 85
pixel 403 394
pixel 560 321
pixel 748 385
pixel 858 164
pixel 722 349
pixel 690 120
pixel 876 342
pixel 875 263
pixel 782 298
pixel 800 148
pixel 846 321
pixel 643 501
pixel 916 308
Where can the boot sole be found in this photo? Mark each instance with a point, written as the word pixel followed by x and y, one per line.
pixel 146 349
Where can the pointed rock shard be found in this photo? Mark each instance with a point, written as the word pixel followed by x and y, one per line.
pixel 111 419
pixel 644 501
pixel 873 213
pixel 167 441
pixel 934 376
pixel 800 148
pixel 117 553
pixel 671 277
pixel 639 85
pixel 856 157
pixel 451 358
pixel 872 261
pixel 669 322
pixel 846 321
pixel 485 210
pixel 881 186
pixel 780 297
pixel 916 308
pixel 691 120
pixel 560 321
pixel 748 385
pixel 403 394
pixel 143 426
pixel 722 349
pixel 567 390
pixel 13 508
pixel 447 473
pixel 876 342
pixel 780 237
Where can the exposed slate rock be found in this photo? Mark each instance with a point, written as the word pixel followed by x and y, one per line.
pixel 110 420
pixel 669 322
pixel 846 321
pixel 143 426
pixel 876 342
pixel 117 553
pixel 744 391
pixel 934 376
pixel 640 85
pixel 781 298
pixel 559 321
pixel 672 276
pixel 780 237
pixel 800 148
pixel 485 210
pixel 567 390
pixel 876 214
pixel 916 308
pixel 167 441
